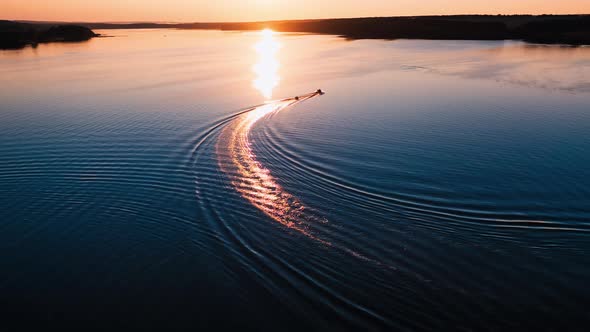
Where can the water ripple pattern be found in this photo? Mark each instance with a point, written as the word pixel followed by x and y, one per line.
pixel 251 179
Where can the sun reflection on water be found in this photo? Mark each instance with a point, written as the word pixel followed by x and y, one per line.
pixel 267 67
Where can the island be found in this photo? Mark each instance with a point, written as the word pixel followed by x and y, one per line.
pixel 14 35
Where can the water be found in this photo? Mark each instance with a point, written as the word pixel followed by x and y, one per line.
pixel 436 184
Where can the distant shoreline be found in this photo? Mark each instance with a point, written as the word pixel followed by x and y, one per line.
pixel 15 35
pixel 547 29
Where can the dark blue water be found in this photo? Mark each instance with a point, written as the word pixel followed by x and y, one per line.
pixel 437 185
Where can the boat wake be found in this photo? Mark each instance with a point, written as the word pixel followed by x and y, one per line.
pixel 228 174
pixel 253 181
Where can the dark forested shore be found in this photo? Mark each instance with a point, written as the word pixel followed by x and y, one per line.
pixel 550 29
pixel 565 29
pixel 568 29
pixel 17 34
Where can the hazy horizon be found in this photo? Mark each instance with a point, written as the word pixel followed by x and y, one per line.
pixel 264 10
pixel 269 20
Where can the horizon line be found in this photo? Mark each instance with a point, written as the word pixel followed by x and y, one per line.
pixel 280 20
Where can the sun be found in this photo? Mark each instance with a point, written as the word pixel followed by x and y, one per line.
pixel 267 33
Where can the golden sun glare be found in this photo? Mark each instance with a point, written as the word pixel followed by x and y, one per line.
pixel 267 67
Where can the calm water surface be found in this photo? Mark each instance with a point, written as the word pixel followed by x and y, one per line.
pixel 436 184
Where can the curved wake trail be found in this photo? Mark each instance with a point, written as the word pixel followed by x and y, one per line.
pixel 255 182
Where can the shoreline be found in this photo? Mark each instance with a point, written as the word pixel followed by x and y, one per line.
pixel 545 29
pixel 17 35
pixel 540 29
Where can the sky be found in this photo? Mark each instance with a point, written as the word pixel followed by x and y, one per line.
pixel 256 10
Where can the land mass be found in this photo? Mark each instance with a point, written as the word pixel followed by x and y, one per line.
pixel 550 29
pixel 568 29
pixel 18 34
pixel 562 29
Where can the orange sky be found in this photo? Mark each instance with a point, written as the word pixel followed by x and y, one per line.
pixel 251 10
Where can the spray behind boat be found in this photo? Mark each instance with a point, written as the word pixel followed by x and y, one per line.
pixel 318 92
